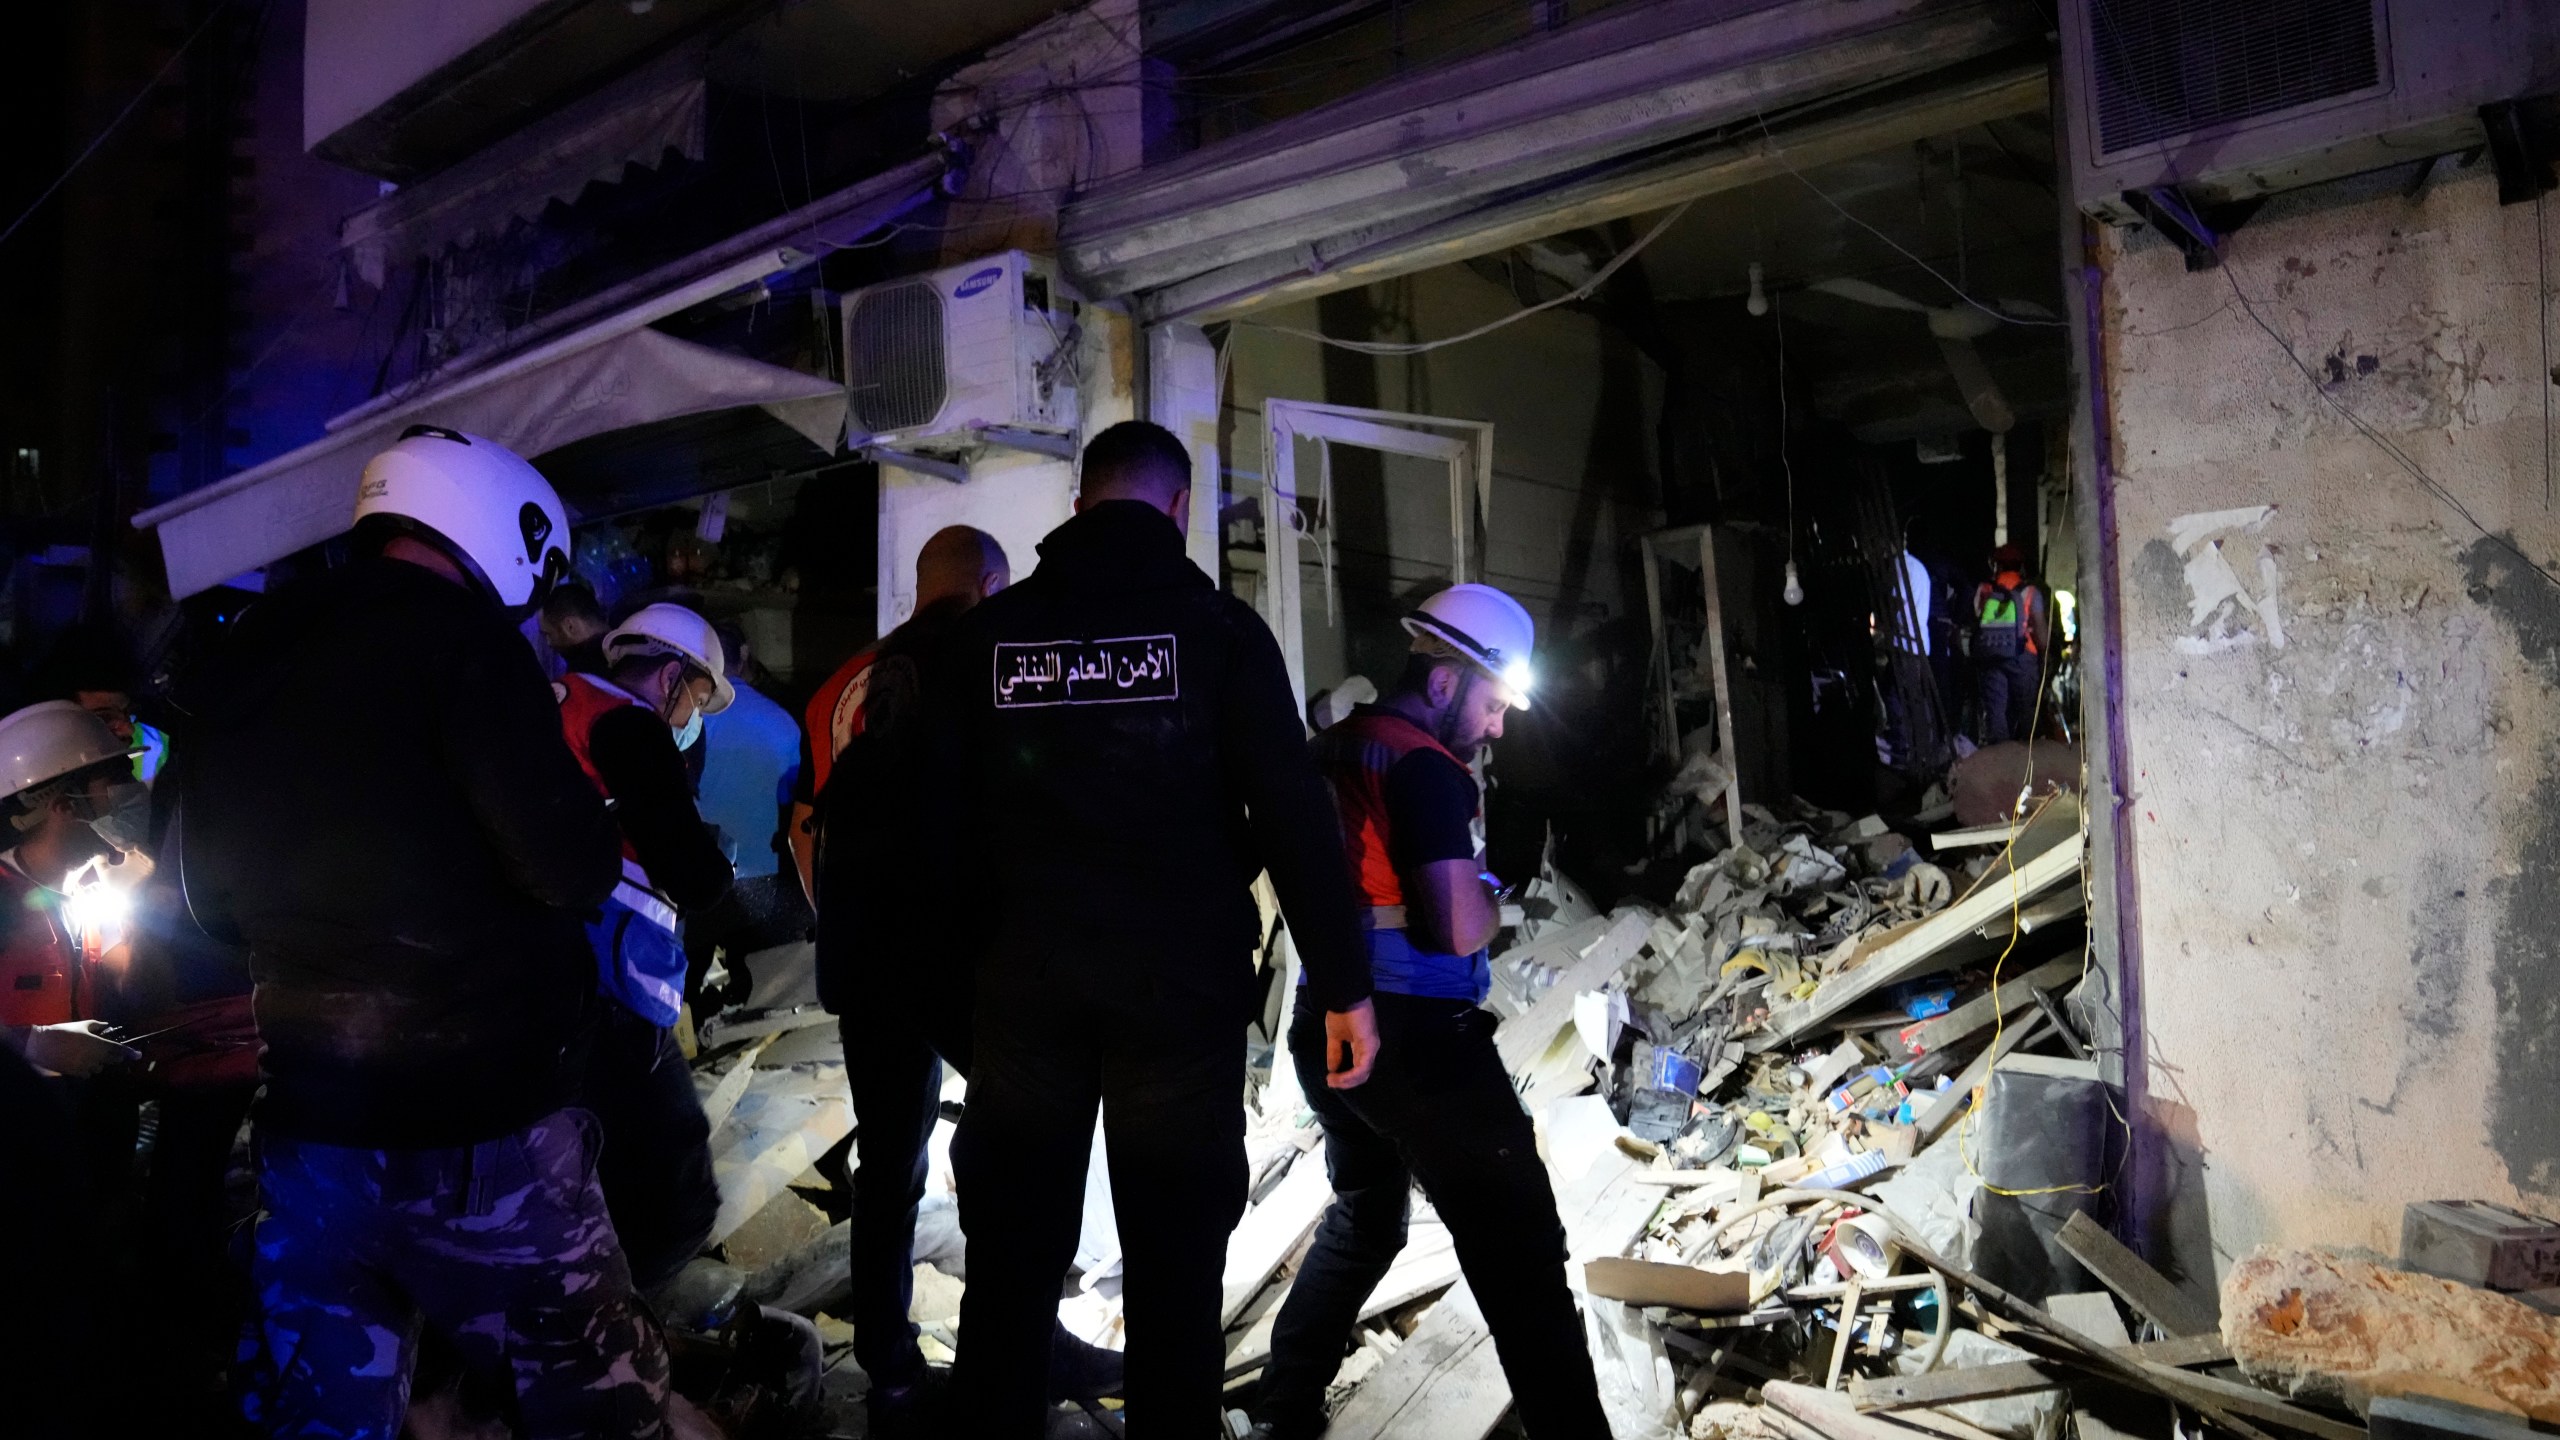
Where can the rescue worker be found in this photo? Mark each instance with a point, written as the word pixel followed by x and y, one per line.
pixel 2008 647
pixel 378 803
pixel 663 667
pixel 1126 756
pixel 751 751
pixel 573 627
pixel 901 1019
pixel 73 803
pixel 958 567
pixel 1440 1108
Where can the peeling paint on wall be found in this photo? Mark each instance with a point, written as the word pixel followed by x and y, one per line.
pixel 2216 600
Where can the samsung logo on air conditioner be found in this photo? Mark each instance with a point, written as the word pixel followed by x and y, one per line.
pixel 978 282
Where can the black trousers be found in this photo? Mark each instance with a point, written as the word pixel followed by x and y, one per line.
pixel 655 1165
pixel 1438 1109
pixel 2008 685
pixel 896 1079
pixel 1169 1082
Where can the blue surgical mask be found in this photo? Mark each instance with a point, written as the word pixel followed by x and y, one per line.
pixel 689 732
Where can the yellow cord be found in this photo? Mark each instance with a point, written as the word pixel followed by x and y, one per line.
pixel 2017 929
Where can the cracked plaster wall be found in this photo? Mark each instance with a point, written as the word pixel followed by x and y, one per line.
pixel 2341 707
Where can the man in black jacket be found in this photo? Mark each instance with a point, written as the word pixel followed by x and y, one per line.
pixel 1125 757
pixel 379 804
pixel 861 770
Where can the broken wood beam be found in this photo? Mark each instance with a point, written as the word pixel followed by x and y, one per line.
pixel 1923 945
pixel 2134 1281
pixel 2017 992
pixel 1524 1037
pixel 2106 1362
pixel 1444 1383
pixel 2016 1377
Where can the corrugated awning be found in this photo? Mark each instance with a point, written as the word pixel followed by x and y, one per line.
pixel 306 496
pixel 1634 108
pixel 639 120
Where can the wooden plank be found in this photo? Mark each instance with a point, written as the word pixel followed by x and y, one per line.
pixel 1956 1098
pixel 2145 1289
pixel 1445 1383
pixel 1428 1262
pixel 1270 1230
pixel 1909 950
pixel 2016 1377
pixel 2245 1399
pixel 1829 1413
pixel 1978 835
pixel 2017 992
pixel 1523 1038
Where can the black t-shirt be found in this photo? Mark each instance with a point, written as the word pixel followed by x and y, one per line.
pixel 1431 810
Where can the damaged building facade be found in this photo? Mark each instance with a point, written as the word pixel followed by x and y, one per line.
pixel 1689 322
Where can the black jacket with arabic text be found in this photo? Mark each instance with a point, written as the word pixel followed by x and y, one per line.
pixel 1128 757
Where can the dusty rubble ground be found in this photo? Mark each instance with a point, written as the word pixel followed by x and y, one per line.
pixel 1772 1107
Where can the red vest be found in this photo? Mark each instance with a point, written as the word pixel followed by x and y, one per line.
pixel 584 700
pixel 44 974
pixel 1354 757
pixel 834 716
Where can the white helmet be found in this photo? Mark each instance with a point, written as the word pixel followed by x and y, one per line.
pixel 1485 626
pixel 664 629
pixel 486 505
pixel 51 739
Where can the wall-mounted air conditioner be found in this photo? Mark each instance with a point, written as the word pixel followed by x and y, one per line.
pixel 2232 99
pixel 945 364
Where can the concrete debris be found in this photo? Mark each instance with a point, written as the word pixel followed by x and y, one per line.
pixel 2328 1327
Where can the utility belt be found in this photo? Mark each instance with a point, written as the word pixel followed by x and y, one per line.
pixel 640 962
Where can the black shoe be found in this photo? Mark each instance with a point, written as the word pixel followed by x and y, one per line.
pixel 1082 1372
pixel 920 1408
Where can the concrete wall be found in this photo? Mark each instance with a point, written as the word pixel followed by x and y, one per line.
pixel 2340 709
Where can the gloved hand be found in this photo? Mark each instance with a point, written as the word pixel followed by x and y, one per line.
pixel 1350 1045
pixel 79 1048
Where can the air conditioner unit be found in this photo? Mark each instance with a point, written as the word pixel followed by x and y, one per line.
pixel 2227 100
pixel 947 363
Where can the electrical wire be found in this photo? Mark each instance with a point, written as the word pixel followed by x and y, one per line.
pixel 1419 347
pixel 1778 153
pixel 1786 461
pixel 121 116
pixel 2380 441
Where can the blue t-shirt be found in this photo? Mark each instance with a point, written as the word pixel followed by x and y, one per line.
pixel 753 754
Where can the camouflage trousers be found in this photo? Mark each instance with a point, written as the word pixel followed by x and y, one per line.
pixel 502 1247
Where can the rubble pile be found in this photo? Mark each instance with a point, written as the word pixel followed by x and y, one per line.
pixel 1768 1109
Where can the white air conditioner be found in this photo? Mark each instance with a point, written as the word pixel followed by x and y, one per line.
pixel 948 363
pixel 2228 100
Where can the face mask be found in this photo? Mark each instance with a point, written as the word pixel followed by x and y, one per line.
pixel 126 822
pixel 689 732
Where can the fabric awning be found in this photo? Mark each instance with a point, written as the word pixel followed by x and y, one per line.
pixel 628 378
pixel 589 367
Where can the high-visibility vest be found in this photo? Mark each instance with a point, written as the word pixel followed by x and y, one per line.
pixel 1354 756
pixel 833 718
pixel 47 972
pixel 642 968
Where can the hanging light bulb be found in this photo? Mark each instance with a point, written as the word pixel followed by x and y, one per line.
pixel 1758 304
pixel 1794 593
